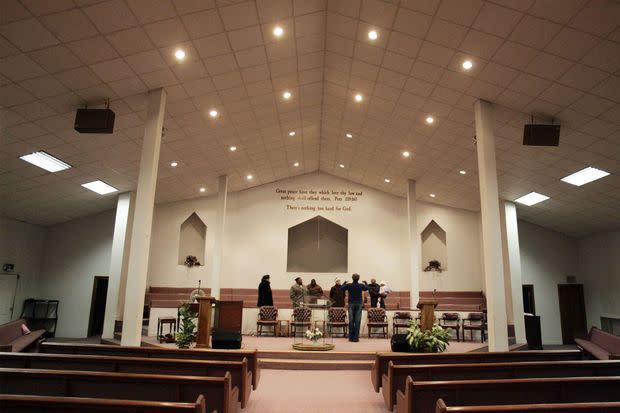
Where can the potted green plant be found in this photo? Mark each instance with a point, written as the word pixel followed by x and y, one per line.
pixel 186 335
pixel 434 340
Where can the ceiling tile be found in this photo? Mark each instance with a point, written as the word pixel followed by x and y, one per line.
pixel 446 34
pixel 28 34
pixel 130 41
pixel 605 56
pixel 378 13
pixel 203 24
pixel 274 10
pixel 459 11
pixel 239 15
pixel 112 70
pixel 167 32
pixel 559 12
pixel 598 17
pixel 20 67
pixel 55 59
pixel 146 61
pixel 151 11
pixel 571 44
pixel 79 78
pixel 412 23
pixel 534 32
pixel 480 44
pixel 93 50
pixel 70 25
pixel 582 77
pixel 548 66
pixel 496 20
pixel 43 87
pixel 111 16
pixel 213 45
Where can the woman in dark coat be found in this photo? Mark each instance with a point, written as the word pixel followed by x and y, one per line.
pixel 264 292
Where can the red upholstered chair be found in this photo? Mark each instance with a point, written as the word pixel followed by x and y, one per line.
pixel 267 316
pixel 400 320
pixel 377 319
pixel 336 319
pixel 300 320
pixel 451 321
pixel 474 322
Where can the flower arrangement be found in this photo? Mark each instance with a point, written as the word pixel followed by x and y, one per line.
pixel 191 261
pixel 434 340
pixel 433 265
pixel 314 336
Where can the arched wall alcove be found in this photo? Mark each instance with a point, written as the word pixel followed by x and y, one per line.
pixel 434 246
pixel 192 239
pixel 317 245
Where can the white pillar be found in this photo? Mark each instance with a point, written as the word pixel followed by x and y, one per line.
pixel 143 219
pixel 491 228
pixel 118 262
pixel 512 267
pixel 218 248
pixel 415 251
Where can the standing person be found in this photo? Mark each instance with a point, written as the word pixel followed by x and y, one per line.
pixel 355 290
pixel 373 291
pixel 265 297
pixel 314 290
pixel 384 290
pixel 298 292
pixel 336 294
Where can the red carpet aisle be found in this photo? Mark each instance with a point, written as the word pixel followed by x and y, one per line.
pixel 286 391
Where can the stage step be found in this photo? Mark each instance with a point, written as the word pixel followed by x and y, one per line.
pixel 291 364
pixel 316 355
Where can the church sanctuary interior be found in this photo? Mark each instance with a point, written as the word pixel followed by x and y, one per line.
pixel 309 206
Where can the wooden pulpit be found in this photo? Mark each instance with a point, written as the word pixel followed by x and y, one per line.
pixel 205 309
pixel 427 313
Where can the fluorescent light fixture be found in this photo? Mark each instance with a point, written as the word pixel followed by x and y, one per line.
pixel 99 187
pixel 372 35
pixel 584 176
pixel 531 199
pixel 45 161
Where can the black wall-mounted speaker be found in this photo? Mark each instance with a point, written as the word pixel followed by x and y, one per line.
pixel 541 135
pixel 94 121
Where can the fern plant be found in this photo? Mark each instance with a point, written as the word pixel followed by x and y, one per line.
pixel 186 335
pixel 435 340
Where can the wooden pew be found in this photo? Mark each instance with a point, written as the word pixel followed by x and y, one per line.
pixel 157 352
pixel 397 374
pixel 532 408
pixel 240 376
pixel 127 386
pixel 11 403
pixel 422 396
pixel 380 366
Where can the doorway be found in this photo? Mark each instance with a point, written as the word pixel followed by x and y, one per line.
pixel 529 306
pixel 572 312
pixel 97 306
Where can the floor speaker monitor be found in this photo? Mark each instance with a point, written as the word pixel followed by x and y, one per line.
pixel 541 135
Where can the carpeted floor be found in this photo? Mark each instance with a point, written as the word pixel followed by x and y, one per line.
pixel 284 391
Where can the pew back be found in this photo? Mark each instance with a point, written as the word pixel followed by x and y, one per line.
pixel 157 352
pixel 380 366
pixel 10 403
pixel 149 387
pixel 396 377
pixel 423 396
pixel 532 408
pixel 240 376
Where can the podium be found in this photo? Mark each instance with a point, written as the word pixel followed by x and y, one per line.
pixel 427 313
pixel 205 311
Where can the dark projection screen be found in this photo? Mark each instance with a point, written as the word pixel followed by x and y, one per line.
pixel 317 245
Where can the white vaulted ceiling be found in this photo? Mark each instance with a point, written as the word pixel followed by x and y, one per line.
pixel 557 59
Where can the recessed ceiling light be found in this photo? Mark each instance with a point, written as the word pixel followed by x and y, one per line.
pixel 462 172
pixel 348 135
pixel 372 35
pixel 359 97
pixel 291 133
pixel 430 119
pixel 287 95
pixel 203 189
pixel 467 64
pixel 233 148
pixel 249 177
pixel 432 195
pixel 45 161
pixel 278 31
pixel 406 154
pixel 213 113
pixel 99 187
pixel 179 54
pixel 174 164
pixel 387 180
pixel 531 199
pixel 296 164
pixel 341 165
pixel 584 176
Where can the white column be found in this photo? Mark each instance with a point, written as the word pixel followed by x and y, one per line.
pixel 118 262
pixel 491 228
pixel 143 219
pixel 415 251
pixel 512 267
pixel 218 249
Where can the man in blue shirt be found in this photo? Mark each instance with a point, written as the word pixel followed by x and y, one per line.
pixel 355 290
